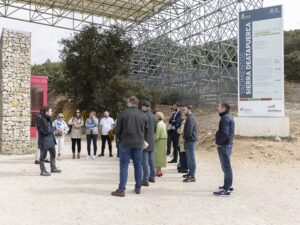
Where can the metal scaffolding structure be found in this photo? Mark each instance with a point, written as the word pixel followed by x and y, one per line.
pixel 188 48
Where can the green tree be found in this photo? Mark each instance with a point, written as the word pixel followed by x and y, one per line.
pixel 54 71
pixel 292 66
pixel 92 57
pixel 120 88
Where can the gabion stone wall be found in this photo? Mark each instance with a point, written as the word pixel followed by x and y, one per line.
pixel 15 92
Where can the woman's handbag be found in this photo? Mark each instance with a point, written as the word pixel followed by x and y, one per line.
pixel 58 133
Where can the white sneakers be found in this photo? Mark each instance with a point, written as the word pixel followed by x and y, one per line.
pixel 91 157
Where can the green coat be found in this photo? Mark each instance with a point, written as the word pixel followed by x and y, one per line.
pixel 160 148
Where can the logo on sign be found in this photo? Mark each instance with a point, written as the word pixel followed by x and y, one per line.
pixel 245 110
pixel 272 108
pixel 243 16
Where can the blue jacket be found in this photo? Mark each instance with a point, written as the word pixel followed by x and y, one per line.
pixel 91 126
pixel 225 134
pixel 46 133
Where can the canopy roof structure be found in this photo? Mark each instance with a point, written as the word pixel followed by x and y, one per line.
pixel 188 48
pixel 126 10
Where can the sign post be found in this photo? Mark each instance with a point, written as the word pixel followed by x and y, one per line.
pixel 261 72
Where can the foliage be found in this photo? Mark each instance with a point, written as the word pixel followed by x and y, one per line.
pixel 291 41
pixel 292 66
pixel 54 71
pixel 120 88
pixel 292 55
pixel 92 57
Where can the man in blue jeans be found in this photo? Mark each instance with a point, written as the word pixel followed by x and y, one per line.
pixel 148 153
pixel 131 130
pixel 224 142
pixel 190 137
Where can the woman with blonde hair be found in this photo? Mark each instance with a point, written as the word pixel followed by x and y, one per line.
pixel 160 148
pixel 60 132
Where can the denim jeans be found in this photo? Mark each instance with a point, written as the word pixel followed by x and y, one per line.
pixel 224 155
pixel 190 147
pixel 125 155
pixel 148 163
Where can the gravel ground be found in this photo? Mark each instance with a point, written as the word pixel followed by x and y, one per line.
pixel 265 194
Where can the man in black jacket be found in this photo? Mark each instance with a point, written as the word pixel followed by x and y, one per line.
pixel 47 141
pixel 148 156
pixel 224 142
pixel 190 137
pixel 131 130
pixel 175 122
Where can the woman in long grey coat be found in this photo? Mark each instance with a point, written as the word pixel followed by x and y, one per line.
pixel 77 124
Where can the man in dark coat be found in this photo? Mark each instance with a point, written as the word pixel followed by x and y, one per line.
pixel 131 130
pixel 175 122
pixel 47 142
pixel 148 155
pixel 190 137
pixel 224 142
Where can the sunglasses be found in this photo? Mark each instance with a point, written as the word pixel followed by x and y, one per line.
pixel 61 117
pixel 77 112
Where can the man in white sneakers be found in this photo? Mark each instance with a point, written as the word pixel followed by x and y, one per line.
pixel 106 125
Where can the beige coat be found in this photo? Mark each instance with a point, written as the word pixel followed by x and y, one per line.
pixel 180 132
pixel 77 126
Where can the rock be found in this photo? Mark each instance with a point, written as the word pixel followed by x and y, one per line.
pixel 277 139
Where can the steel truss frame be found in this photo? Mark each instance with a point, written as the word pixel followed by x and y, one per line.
pixel 188 48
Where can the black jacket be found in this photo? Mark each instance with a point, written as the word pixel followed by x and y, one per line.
pixel 46 133
pixel 190 132
pixel 225 134
pixel 37 124
pixel 132 128
pixel 175 120
pixel 151 130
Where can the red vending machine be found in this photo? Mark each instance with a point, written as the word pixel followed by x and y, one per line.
pixel 39 98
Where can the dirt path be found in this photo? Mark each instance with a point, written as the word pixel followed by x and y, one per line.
pixel 266 194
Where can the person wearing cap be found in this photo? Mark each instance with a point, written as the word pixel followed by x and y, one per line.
pixel 148 155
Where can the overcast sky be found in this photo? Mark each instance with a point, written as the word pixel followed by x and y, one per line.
pixel 45 39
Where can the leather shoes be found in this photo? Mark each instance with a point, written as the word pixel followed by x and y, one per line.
pixel 56 171
pixel 118 193
pixel 137 191
pixel 152 179
pixel 45 174
pixel 145 183
pixel 173 161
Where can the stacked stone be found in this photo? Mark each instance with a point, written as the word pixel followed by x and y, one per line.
pixel 15 92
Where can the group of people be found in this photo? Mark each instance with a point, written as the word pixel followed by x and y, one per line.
pixel 142 136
